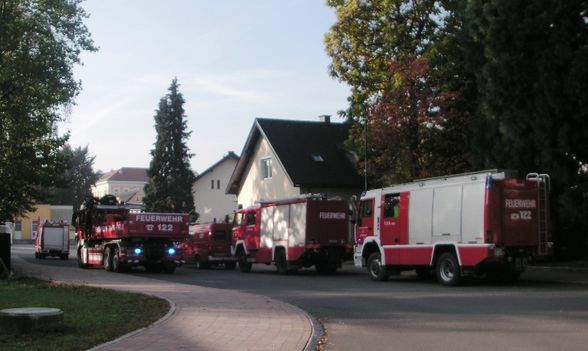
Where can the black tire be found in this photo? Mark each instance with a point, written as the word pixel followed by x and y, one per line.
pixel 36 255
pixel 107 259
pixel 377 271
pixel 117 266
pixel 230 265
pixel 64 257
pixel 80 263
pixel 244 266
pixel 42 256
pixel 200 264
pixel 447 270
pixel 281 263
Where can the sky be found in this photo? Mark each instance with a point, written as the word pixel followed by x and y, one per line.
pixel 234 60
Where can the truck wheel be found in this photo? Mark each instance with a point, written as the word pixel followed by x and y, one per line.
pixel 81 264
pixel 64 257
pixel 377 271
pixel 244 266
pixel 283 266
pixel 281 263
pixel 107 259
pixel 230 265
pixel 117 266
pixel 36 255
pixel 447 269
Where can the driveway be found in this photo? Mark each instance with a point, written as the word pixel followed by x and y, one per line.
pixel 201 318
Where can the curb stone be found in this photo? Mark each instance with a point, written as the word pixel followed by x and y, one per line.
pixel 317 331
pixel 168 315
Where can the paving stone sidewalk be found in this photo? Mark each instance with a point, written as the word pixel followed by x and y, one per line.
pixel 201 318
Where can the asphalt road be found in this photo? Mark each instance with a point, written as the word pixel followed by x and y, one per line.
pixel 545 310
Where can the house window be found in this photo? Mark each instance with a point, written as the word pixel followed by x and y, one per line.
pixel 212 184
pixel 18 226
pixel 266 168
pixel 218 183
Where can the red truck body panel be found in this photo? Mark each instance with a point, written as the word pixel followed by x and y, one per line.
pixel 513 206
pixel 143 225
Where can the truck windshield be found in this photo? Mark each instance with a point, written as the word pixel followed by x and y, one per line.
pixel 238 219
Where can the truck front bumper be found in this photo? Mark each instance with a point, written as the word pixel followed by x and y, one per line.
pixel 357 256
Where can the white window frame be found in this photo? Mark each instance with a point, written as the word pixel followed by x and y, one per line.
pixel 266 168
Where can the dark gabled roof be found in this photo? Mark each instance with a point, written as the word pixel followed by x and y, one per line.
pixel 229 155
pixel 312 153
pixel 129 174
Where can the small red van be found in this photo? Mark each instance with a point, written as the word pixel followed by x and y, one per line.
pixel 209 245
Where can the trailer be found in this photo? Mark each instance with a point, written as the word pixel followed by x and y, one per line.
pixel 118 237
pixel 52 240
pixel 293 233
pixel 483 223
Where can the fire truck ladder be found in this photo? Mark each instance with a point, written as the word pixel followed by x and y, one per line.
pixel 543 188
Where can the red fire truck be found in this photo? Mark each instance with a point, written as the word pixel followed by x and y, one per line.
pixel 488 222
pixel 293 233
pixel 209 245
pixel 111 235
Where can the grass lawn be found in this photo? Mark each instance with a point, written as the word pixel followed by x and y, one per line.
pixel 91 315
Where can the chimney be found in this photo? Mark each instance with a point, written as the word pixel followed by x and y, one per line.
pixel 325 119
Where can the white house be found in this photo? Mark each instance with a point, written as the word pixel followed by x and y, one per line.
pixel 126 184
pixel 210 199
pixel 284 158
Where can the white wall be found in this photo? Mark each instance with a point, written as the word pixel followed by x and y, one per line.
pixel 116 188
pixel 214 203
pixel 254 188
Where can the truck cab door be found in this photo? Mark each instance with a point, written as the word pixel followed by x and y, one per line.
pixel 365 221
pixel 238 227
pixel 390 217
pixel 251 228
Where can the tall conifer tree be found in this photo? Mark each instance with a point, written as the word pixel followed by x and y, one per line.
pixel 170 177
pixel 530 67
